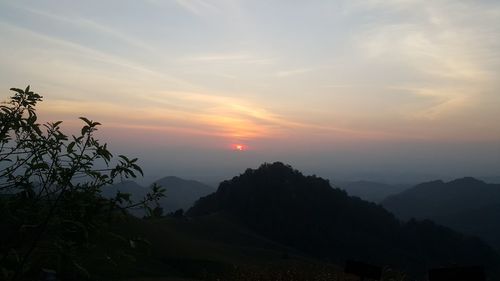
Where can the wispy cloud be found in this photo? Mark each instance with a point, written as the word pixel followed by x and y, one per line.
pixel 373 72
pixel 92 26
pixel 292 72
pixel 198 7
pixel 190 113
pixel 443 44
pixel 232 58
pixel 212 8
pixel 84 54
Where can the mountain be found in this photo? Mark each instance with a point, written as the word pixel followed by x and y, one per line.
pixel 482 222
pixel 369 190
pixel 306 213
pixel 137 191
pixel 180 193
pixel 467 205
pixel 491 179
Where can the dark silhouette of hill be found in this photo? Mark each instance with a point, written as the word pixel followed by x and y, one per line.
pixel 180 193
pixel 369 190
pixel 214 247
pixel 491 179
pixel 467 205
pixel 482 222
pixel 306 213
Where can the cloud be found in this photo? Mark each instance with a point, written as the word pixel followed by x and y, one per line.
pixel 183 112
pixel 203 8
pixel 74 58
pixel 229 58
pixel 446 46
pixel 381 69
pixel 292 72
pixel 198 7
pixel 92 26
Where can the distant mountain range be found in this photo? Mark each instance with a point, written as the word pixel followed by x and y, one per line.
pixel 369 190
pixel 306 213
pixel 467 205
pixel 180 193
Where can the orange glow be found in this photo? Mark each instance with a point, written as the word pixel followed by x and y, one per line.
pixel 239 147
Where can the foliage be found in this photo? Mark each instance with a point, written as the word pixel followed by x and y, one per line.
pixel 52 211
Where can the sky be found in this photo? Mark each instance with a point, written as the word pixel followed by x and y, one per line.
pixel 394 90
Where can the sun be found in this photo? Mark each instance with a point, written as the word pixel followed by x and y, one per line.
pixel 239 147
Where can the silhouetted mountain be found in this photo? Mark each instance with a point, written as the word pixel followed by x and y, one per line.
pixel 482 222
pixel 491 179
pixel 467 205
pixel 369 190
pixel 180 193
pixel 305 212
pixel 131 187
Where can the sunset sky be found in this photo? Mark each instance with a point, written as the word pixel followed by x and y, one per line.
pixel 394 90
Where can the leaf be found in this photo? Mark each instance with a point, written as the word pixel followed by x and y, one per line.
pixel 40 166
pixel 69 149
pixel 17 90
pixel 124 158
pixel 85 129
pixel 86 120
pixel 132 173
pixel 137 168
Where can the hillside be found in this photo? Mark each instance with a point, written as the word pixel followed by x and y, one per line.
pixel 369 190
pixel 482 222
pixel 306 213
pixel 467 205
pixel 214 247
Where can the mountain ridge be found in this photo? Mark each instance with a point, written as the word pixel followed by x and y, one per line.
pixel 370 190
pixel 466 204
pixel 180 193
pixel 305 212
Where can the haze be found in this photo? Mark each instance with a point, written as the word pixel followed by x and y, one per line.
pixel 395 90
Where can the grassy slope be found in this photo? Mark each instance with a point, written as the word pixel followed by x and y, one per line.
pixel 208 247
